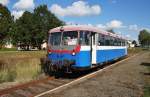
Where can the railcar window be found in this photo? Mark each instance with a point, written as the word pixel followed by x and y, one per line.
pixel 119 42
pixel 123 42
pixel 55 38
pixel 84 38
pixel 70 38
pixel 101 40
pixel 94 38
pixel 111 41
pixel 107 40
pixel 115 42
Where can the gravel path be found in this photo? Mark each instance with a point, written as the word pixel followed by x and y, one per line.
pixel 124 80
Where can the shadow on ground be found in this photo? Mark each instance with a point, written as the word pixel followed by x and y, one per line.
pixel 145 64
pixel 45 67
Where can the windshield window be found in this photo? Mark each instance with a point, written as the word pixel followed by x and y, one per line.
pixel 55 38
pixel 84 38
pixel 70 38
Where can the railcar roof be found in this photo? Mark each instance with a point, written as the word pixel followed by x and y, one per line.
pixel 83 28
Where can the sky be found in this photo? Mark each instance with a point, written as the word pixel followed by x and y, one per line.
pixel 125 17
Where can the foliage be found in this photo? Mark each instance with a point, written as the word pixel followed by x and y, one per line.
pixel 6 21
pixel 144 38
pixel 22 30
pixel 43 20
pixel 111 31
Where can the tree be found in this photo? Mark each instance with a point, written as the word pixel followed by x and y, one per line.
pixel 44 20
pixel 111 31
pixel 31 29
pixel 144 38
pixel 22 30
pixel 5 24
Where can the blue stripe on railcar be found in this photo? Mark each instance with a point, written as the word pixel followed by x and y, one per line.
pixel 82 59
pixel 110 54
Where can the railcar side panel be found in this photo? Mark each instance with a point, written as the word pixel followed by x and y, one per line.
pixel 104 55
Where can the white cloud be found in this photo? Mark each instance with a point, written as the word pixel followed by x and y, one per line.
pixel 133 27
pixel 115 24
pixel 128 35
pixel 102 26
pixel 17 14
pixel 137 28
pixel 79 8
pixel 4 2
pixel 24 4
pixel 20 6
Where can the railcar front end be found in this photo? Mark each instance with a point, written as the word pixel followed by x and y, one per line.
pixel 66 53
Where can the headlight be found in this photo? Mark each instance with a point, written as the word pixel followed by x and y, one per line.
pixel 73 53
pixel 49 52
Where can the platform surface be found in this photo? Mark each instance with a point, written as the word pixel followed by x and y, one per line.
pixel 124 80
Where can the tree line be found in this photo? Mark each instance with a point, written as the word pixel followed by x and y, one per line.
pixel 31 29
pixel 144 38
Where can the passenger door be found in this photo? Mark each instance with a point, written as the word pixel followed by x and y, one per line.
pixel 93 47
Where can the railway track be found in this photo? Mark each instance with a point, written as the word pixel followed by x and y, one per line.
pixel 33 88
pixel 39 88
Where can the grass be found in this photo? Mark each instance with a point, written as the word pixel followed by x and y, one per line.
pixel 25 65
pixel 146 92
pixel 132 51
pixel 8 49
pixel 7 75
pixel 20 66
pixel 147 83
